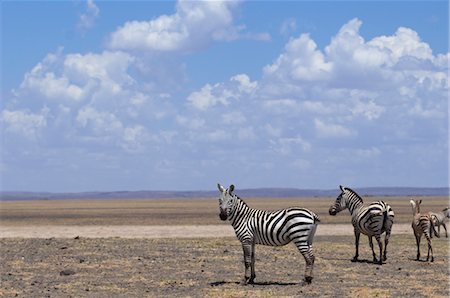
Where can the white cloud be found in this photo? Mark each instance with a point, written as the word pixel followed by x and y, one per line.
pixel 209 96
pixel 25 123
pixel 330 130
pixel 368 109
pixel 134 138
pixel 101 123
pixel 287 146
pixel 405 42
pixel 109 69
pixel 281 106
pixel 76 77
pixel 239 86
pixel 87 19
pixel 301 61
pixel 194 25
pixel 245 85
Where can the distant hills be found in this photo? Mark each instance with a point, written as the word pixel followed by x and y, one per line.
pixel 244 193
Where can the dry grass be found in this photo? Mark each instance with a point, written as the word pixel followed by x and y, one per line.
pixel 179 212
pixel 213 268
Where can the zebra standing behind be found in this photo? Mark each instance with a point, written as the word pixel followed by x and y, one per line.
pixel 440 219
pixel 372 220
pixel 422 224
pixel 277 228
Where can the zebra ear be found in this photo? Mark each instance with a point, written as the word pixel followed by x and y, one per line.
pixel 220 187
pixel 420 201
pixel 231 189
pixel 341 187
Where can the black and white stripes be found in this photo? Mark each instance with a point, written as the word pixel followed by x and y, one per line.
pixel 422 224
pixel 371 220
pixel 253 226
pixel 440 219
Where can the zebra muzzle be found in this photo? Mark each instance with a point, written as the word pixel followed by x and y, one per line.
pixel 223 215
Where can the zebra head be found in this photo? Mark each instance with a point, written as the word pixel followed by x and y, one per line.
pixel 340 203
pixel 415 205
pixel 226 201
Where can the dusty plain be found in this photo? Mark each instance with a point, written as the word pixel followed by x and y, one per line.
pixel 204 267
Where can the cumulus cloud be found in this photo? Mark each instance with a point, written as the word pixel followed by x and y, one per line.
pixel 301 61
pixel 374 96
pixel 76 77
pixel 193 26
pixel 24 123
pixel 239 86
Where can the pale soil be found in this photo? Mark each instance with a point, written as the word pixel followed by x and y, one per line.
pixel 213 267
pixel 160 231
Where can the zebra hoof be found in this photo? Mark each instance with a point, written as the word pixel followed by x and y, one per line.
pixel 308 280
pixel 355 259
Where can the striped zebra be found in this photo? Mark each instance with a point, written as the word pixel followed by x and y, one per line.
pixel 422 224
pixel 372 220
pixel 440 219
pixel 277 228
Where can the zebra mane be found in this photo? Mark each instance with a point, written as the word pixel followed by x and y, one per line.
pixel 351 191
pixel 240 200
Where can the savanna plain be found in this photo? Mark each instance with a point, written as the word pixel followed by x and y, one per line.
pixel 46 251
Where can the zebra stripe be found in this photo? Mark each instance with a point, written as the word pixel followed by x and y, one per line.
pixel 372 220
pixel 440 219
pixel 422 224
pixel 273 228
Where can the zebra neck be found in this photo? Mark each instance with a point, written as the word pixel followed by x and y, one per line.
pixel 354 205
pixel 240 210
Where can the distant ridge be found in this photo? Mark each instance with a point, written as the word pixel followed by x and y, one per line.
pixel 244 193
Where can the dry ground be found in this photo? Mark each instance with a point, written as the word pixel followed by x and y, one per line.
pixel 179 212
pixel 213 267
pixel 202 267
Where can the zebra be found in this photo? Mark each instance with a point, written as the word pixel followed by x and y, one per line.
pixel 422 224
pixel 440 219
pixel 372 220
pixel 277 228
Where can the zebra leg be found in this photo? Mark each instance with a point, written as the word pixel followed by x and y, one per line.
pixel 418 246
pixel 247 248
pixel 380 245
pixel 386 241
pixel 355 258
pixel 373 252
pixel 430 248
pixel 445 228
pixel 252 267
pixel 307 252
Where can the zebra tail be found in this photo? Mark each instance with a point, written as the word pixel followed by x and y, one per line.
pixel 385 218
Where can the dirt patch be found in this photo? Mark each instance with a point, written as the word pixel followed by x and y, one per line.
pixel 159 231
pixel 213 267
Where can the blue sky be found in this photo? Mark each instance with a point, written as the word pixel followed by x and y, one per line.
pixel 182 95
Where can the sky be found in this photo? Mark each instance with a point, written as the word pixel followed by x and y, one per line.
pixel 164 95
